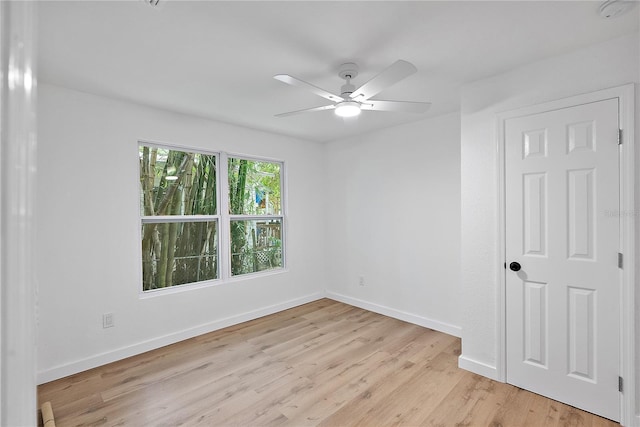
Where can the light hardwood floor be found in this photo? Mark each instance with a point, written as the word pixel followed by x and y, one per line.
pixel 320 364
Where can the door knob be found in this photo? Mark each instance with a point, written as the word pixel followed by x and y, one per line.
pixel 514 266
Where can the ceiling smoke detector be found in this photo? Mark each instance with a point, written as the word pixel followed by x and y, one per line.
pixel 615 8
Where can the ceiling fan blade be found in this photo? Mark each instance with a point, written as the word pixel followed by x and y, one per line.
pixel 390 76
pixel 285 78
pixel 307 110
pixel 399 106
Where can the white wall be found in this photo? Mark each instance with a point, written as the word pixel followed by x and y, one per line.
pixel 87 232
pixel 597 67
pixel 393 217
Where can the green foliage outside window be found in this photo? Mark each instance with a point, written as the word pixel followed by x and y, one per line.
pixel 180 184
pixel 180 217
pixel 254 190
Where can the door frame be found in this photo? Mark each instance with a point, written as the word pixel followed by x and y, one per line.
pixel 628 216
pixel 18 146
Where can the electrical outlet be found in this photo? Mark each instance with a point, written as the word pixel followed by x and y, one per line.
pixel 107 320
pixel 361 281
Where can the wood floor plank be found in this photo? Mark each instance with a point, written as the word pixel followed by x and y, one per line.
pixel 195 366
pixel 267 408
pixel 516 411
pixel 542 411
pixel 430 386
pixel 320 364
pixel 381 391
pixel 338 398
pixel 469 400
pixel 298 410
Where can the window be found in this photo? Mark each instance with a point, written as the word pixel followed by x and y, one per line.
pixel 178 203
pixel 255 208
pixel 183 217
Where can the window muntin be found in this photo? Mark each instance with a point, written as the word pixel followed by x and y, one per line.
pixel 179 221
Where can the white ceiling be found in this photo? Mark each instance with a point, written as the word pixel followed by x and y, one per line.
pixel 216 59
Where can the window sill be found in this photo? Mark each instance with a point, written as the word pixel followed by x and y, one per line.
pixel 209 283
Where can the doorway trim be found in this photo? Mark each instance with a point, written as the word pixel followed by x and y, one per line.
pixel 628 217
pixel 18 311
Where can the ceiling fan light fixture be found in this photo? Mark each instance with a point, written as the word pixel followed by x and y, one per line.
pixel 347 109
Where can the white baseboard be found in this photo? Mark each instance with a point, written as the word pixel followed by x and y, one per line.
pixel 397 314
pixel 61 371
pixel 479 368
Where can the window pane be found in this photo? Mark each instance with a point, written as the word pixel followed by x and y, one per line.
pixel 255 246
pixel 176 253
pixel 254 187
pixel 174 182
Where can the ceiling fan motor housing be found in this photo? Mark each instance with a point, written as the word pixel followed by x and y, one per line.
pixel 346 90
pixel 347 72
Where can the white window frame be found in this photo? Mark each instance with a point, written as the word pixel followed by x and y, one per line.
pixel 222 217
pixel 227 217
pixel 164 219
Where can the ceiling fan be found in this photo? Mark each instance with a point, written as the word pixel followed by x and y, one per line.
pixel 352 101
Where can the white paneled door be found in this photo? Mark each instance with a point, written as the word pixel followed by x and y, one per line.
pixel 562 242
